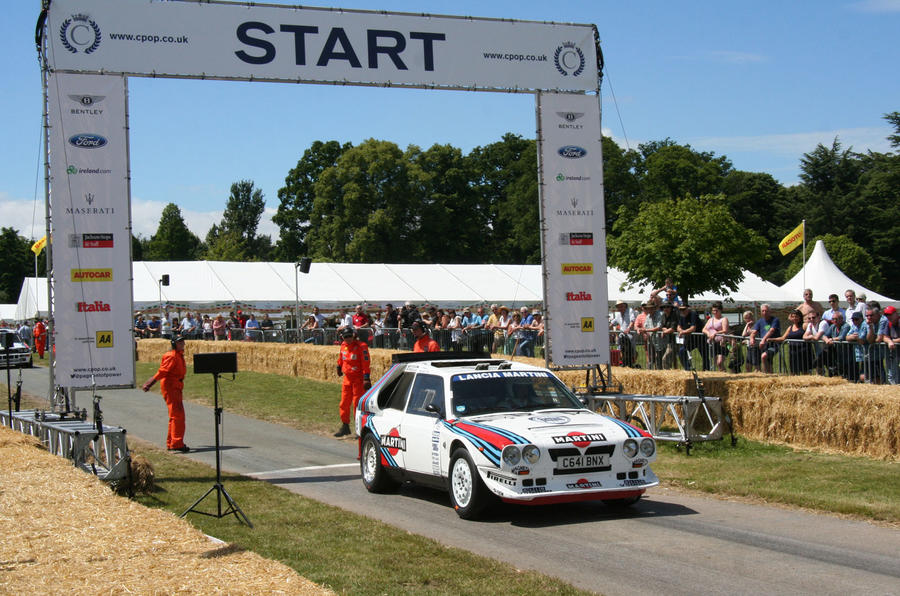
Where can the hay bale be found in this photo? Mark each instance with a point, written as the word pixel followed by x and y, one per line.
pixel 65 532
pixel 142 474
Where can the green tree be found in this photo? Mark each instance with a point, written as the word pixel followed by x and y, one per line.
pixel 173 241
pixel 849 257
pixel 894 120
pixel 363 210
pixel 448 207
pixel 693 240
pixel 16 263
pixel 235 238
pixel 675 171
pixel 297 195
pixel 621 183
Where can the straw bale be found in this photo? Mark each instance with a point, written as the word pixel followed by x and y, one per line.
pixel 65 532
pixel 807 411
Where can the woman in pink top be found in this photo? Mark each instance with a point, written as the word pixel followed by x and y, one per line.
pixel 716 328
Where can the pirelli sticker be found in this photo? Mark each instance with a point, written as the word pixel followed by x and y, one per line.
pixel 577 268
pixel 79 275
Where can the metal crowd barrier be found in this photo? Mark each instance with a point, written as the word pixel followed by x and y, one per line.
pixel 105 455
pixel 850 360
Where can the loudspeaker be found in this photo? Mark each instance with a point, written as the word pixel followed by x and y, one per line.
pixel 215 363
pixel 305 262
pixel 165 279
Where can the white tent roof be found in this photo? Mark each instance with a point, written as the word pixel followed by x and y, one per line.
pixel 223 286
pixel 33 300
pixel 823 277
pixel 8 313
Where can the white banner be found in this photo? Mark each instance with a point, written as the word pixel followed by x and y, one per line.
pixel 573 231
pixel 91 237
pixel 287 43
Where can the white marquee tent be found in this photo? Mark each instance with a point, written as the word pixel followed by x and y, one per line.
pixel 222 286
pixel 823 277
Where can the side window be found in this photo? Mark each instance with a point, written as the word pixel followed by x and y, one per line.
pixel 394 395
pixel 427 389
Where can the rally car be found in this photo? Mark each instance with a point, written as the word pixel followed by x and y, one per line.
pixel 19 352
pixel 487 429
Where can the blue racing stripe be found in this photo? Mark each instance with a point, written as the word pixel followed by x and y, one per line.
pixel 629 430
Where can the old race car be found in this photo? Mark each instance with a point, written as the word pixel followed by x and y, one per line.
pixel 19 352
pixel 486 428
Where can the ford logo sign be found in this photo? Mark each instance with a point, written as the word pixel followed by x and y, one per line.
pixel 87 141
pixel 572 152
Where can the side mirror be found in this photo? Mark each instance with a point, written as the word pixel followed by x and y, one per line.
pixel 434 409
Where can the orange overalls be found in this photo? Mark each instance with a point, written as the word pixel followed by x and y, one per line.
pixel 426 344
pixel 171 381
pixel 40 338
pixel 354 363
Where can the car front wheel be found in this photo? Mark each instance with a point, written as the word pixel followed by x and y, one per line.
pixel 374 476
pixel 468 494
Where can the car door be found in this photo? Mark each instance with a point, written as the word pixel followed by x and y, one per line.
pixel 420 428
pixel 392 402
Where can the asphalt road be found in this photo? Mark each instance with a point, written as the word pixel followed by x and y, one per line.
pixel 670 543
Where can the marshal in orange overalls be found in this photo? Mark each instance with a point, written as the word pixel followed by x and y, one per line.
pixel 171 381
pixel 353 361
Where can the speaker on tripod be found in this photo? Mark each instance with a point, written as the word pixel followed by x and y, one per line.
pixel 215 364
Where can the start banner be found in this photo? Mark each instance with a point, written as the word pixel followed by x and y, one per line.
pixel 91 231
pixel 318 45
pixel 573 230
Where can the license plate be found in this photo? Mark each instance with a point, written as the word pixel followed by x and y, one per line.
pixel 571 462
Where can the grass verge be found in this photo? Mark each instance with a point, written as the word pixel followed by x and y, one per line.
pixel 346 552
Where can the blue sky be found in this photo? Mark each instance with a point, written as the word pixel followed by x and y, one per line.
pixel 761 83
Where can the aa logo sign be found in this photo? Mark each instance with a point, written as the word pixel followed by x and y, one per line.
pixel 104 339
pixel 587 324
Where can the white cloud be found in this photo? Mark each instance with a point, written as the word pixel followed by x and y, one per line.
pixel 27 217
pixel 877 6
pixel 796 144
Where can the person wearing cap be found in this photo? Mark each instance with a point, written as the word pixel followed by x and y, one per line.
pixel 353 366
pixel 623 323
pixel 423 343
pixel 171 382
pixel 891 337
pixel 837 353
pixel 668 334
pixel 857 340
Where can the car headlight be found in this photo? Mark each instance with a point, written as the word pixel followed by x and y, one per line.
pixel 648 447
pixel 630 448
pixel 511 455
pixel 531 454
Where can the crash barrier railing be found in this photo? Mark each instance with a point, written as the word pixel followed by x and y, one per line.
pixel 103 454
pixel 851 360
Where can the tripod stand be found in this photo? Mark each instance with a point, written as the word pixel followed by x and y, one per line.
pixel 218 488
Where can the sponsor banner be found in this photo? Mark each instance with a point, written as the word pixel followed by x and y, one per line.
pixel 89 204
pixel 573 229
pixel 297 44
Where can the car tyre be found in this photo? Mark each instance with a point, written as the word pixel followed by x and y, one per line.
pixel 468 494
pixel 374 476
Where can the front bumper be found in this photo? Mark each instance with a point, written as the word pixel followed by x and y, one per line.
pixel 17 357
pixel 536 489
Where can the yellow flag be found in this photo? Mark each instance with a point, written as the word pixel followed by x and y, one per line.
pixel 792 240
pixel 38 246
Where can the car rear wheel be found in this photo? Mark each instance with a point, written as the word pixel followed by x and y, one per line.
pixel 374 476
pixel 468 494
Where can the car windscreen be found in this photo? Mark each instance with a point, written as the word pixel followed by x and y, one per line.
pixel 509 391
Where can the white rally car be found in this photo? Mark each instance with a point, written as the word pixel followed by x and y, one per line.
pixel 486 428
